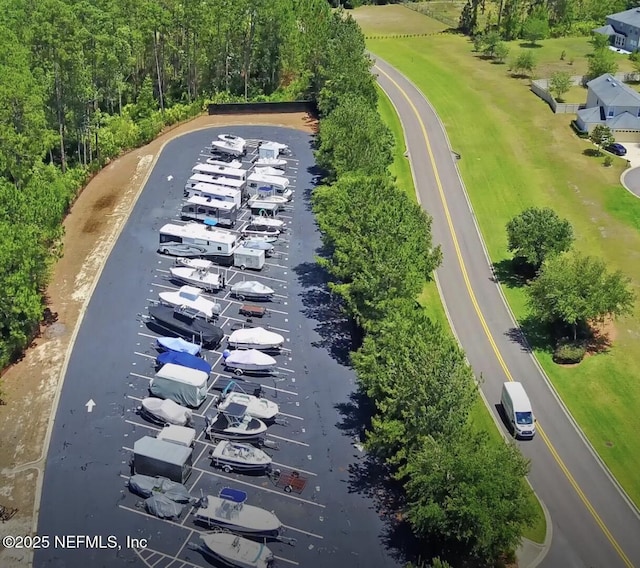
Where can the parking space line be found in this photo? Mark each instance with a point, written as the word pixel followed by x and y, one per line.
pixel 144 355
pixel 266 489
pixel 295 469
pixel 288 440
pixel 259 276
pixel 176 559
pixel 303 532
pixel 290 416
pixel 276 265
pixel 285 369
pixel 149 426
pixel 292 562
pixel 140 376
pixel 147 515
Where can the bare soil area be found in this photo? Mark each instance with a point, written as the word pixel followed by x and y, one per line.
pixel 31 387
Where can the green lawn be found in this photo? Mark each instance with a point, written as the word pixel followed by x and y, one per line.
pixel 393 19
pixel 517 153
pixel 430 298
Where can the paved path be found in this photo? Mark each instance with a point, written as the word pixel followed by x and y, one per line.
pixel 593 524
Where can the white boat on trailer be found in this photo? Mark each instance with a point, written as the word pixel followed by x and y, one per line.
pixel 233 456
pixel 258 228
pixel 256 407
pixel 234 551
pixel 234 423
pixel 267 222
pixel 232 139
pixel 249 361
pixel 199 277
pixel 255 338
pixel 234 164
pixel 200 263
pixel 252 290
pixel 271 162
pixel 230 511
pixel 267 197
pixel 191 298
pixel 230 148
pixel 268 171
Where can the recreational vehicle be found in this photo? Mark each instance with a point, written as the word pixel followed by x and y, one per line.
pixel 218 170
pixel 214 180
pixel 263 208
pixel 215 192
pixel 255 183
pixel 218 245
pixel 202 208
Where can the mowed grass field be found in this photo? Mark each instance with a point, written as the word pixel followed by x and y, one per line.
pixel 430 298
pixel 517 154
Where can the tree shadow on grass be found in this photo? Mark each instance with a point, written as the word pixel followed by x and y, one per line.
pixel 512 272
pixel 592 153
pixel 529 45
pixel 515 75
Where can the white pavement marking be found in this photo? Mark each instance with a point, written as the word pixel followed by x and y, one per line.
pixel 303 532
pixel 140 376
pixel 144 355
pixel 295 469
pixel 265 489
pixel 290 416
pixel 288 440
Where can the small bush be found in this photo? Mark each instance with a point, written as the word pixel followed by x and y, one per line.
pixel 579 132
pixel 567 353
pixel 608 161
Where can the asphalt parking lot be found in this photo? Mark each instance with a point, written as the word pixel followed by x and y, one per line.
pixel 114 360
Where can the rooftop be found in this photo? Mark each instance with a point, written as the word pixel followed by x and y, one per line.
pixel 612 92
pixel 630 17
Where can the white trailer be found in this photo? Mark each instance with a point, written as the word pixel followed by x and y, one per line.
pixel 249 258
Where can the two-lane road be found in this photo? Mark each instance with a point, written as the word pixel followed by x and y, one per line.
pixel 594 525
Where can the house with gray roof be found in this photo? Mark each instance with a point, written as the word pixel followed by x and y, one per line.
pixel 623 29
pixel 611 103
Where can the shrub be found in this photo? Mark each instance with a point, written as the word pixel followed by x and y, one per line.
pixel 567 353
pixel 608 161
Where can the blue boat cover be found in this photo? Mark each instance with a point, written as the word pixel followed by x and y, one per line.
pixel 184 360
pixel 265 189
pixel 235 495
pixel 178 344
pixel 210 221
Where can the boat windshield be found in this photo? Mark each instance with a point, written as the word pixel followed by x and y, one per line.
pixel 524 417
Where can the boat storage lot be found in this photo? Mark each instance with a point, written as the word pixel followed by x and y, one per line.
pixel 114 358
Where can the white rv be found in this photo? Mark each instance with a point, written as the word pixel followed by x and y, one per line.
pixel 215 192
pixel 218 170
pixel 219 244
pixel 517 410
pixel 214 180
pixel 203 208
pixel 256 182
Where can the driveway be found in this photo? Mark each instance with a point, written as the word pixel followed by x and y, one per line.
pixel 630 179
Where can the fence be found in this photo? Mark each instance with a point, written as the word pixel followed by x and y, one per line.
pixel 541 88
pixel 264 107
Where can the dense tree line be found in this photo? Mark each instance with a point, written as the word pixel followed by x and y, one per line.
pixel 461 489
pixel 81 81
pixel 514 19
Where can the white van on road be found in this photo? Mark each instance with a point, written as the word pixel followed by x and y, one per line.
pixel 517 410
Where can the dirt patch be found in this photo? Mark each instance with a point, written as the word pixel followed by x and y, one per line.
pixel 31 386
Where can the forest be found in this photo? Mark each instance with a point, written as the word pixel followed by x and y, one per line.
pixel 82 81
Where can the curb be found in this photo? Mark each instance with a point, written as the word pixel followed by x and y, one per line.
pixel 622 178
